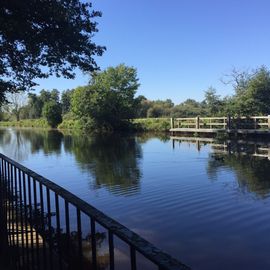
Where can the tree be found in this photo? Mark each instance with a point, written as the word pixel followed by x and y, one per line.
pixel 188 108
pixel 160 108
pixel 54 95
pixel 109 98
pixel 66 101
pixel 212 102
pixel 252 93
pixel 39 38
pixel 16 101
pixel 46 95
pixel 35 106
pixel 52 112
pixel 155 111
pixel 142 105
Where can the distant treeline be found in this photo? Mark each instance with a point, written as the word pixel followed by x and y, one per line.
pixel 108 102
pixel 251 97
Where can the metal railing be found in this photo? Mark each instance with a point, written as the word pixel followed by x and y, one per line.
pixel 47 227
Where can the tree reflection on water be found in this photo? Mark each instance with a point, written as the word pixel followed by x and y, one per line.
pixel 252 173
pixel 112 161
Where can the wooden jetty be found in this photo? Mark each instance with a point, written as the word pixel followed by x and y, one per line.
pixel 234 125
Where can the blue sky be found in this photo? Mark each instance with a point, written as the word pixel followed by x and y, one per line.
pixel 180 47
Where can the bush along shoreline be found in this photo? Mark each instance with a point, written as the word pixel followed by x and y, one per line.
pixel 27 123
pixel 135 125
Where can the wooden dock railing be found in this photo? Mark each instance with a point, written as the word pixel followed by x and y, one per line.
pixel 214 124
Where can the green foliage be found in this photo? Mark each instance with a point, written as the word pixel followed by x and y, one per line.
pixel 66 101
pixel 52 112
pixel 253 95
pixel 54 34
pixel 142 105
pixel 70 124
pixel 108 101
pixel 212 102
pixel 152 124
pixel 36 123
pixel 188 108
pixel 34 106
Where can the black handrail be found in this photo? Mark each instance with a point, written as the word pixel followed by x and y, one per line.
pixel 28 204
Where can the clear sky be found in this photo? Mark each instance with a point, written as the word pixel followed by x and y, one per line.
pixel 180 47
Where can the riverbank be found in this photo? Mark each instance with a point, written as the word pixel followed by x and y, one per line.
pixel 142 124
pixel 34 123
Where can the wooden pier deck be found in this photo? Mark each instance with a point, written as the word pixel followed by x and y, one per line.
pixel 233 125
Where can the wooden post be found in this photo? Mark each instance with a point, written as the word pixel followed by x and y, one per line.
pixel 228 122
pixel 268 121
pixel 198 145
pixel 172 122
pixel 197 119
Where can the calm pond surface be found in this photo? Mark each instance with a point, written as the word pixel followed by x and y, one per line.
pixel 207 208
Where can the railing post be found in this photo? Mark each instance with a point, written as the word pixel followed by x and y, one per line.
pixel 197 119
pixel 229 122
pixel 4 251
pixel 172 122
pixel 268 121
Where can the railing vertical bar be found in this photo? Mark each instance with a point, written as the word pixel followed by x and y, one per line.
pixel 25 219
pixel 49 227
pixel 31 221
pixel 133 258
pixel 93 243
pixel 6 194
pixel 21 216
pixel 5 190
pixel 67 231
pixel 11 201
pixel 111 250
pixel 8 203
pixel 58 230
pixel 79 231
pixel 42 220
pixel 17 216
pixel 36 222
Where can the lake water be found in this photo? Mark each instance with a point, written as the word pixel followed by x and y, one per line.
pixel 207 208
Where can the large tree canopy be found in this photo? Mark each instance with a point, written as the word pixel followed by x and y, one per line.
pixel 39 38
pixel 108 102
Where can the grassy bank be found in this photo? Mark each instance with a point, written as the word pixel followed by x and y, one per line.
pixel 152 124
pixel 143 124
pixel 36 123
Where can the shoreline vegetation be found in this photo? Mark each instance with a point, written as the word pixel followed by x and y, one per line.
pixel 137 125
pixel 108 103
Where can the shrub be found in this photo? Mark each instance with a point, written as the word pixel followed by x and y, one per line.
pixel 52 112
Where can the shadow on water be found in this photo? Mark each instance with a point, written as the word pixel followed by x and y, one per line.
pixel 112 161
